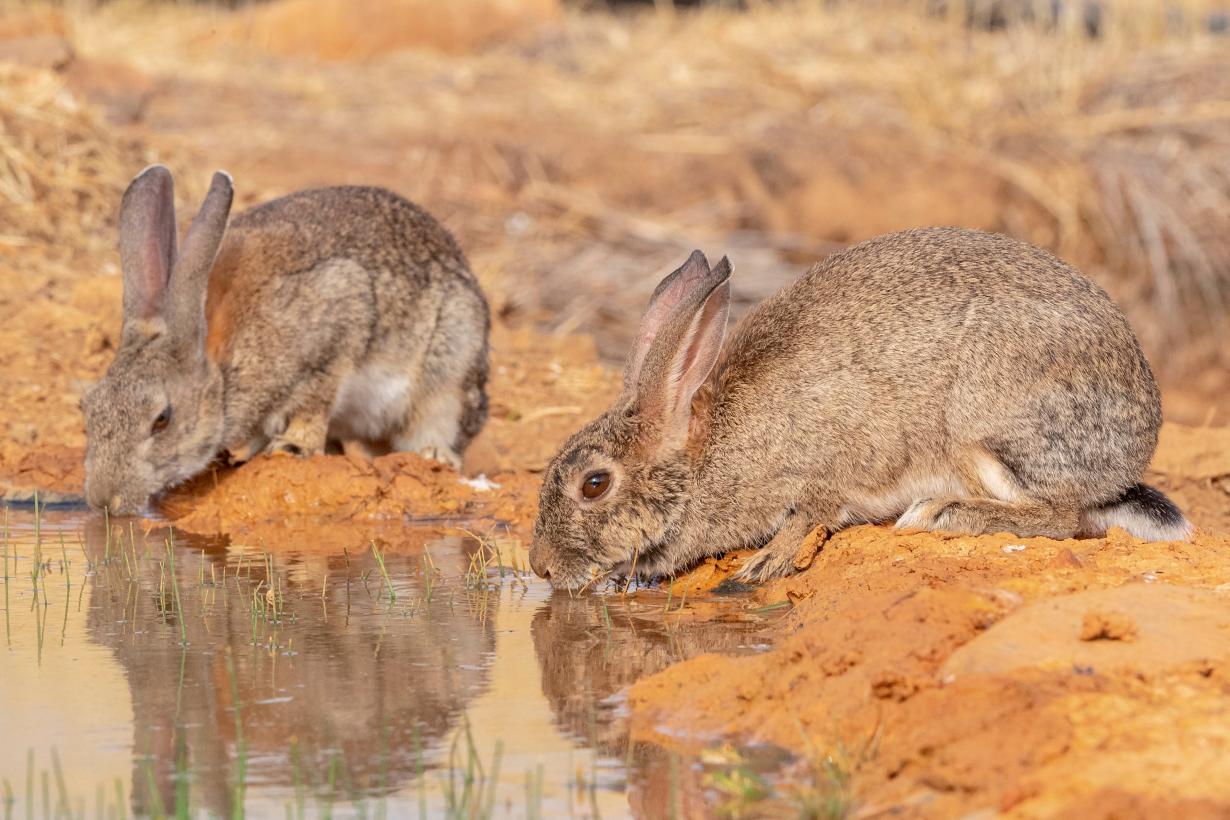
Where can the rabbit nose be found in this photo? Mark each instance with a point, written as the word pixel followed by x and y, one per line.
pixel 98 498
pixel 116 504
pixel 539 566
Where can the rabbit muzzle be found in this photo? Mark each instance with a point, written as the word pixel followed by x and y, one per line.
pixel 102 496
pixel 538 563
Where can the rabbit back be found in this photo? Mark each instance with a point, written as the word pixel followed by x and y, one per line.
pixel 918 360
pixel 357 298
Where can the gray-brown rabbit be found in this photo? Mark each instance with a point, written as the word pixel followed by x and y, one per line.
pixel 945 379
pixel 339 315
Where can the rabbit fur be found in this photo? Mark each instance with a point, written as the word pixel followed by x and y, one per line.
pixel 941 378
pixel 343 315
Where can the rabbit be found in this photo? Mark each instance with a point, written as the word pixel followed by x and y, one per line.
pixel 942 378
pixel 337 315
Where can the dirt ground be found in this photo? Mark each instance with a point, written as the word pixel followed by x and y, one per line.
pixel 947 676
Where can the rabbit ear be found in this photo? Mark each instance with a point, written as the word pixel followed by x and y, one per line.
pixel 190 278
pixel 685 346
pixel 147 242
pixel 667 296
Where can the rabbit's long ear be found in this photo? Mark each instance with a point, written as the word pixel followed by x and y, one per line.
pixel 670 293
pixel 147 242
pixel 190 277
pixel 684 345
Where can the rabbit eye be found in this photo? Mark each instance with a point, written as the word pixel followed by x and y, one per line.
pixel 160 423
pixel 595 485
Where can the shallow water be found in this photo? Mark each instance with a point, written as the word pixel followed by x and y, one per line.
pixel 418 670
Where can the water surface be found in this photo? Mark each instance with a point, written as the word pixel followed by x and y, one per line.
pixel 419 670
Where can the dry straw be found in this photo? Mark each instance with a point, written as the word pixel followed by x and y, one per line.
pixel 578 158
pixel 62 170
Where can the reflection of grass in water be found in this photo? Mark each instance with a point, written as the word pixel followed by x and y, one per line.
pixel 468 789
pixel 241 753
pixel 817 786
pixel 467 786
pixel 63 806
pixel 134 567
pixel 471 789
pixel 296 772
pixel 742 788
pixel 156 809
pixel 429 570
pixel 182 775
pixel 533 792
pixel 384 573
pixel 418 771
pixel 179 606
pixel 38 546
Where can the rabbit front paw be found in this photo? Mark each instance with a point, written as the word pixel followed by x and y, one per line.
pixel 303 436
pixel 792 548
pixel 444 455
pixel 766 565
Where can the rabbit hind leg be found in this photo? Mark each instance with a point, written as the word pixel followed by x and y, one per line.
pixel 450 407
pixel 433 426
pixel 978 516
pixel 997 501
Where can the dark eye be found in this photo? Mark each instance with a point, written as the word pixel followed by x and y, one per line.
pixel 595 485
pixel 160 423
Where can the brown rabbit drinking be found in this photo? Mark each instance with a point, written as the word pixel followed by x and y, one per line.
pixel 946 379
pixel 339 315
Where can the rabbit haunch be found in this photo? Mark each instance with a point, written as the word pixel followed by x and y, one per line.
pixel 941 378
pixel 330 317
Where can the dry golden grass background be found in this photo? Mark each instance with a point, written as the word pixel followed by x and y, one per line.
pixel 579 153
